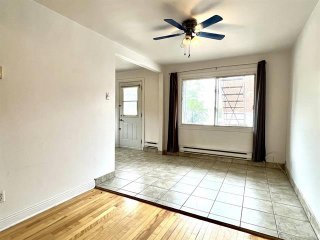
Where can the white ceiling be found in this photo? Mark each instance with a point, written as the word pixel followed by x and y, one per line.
pixel 250 26
pixel 123 65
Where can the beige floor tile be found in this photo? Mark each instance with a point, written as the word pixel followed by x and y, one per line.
pixel 226 210
pixel 258 218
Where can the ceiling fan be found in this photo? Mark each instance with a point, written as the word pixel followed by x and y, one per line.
pixel 191 29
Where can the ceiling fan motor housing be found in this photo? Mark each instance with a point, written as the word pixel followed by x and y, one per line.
pixel 190 25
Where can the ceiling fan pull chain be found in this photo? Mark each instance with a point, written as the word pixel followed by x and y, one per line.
pixel 189 50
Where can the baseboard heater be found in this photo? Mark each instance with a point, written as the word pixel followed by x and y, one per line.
pixel 216 152
pixel 151 144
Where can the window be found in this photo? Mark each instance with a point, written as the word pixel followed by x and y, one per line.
pixel 198 99
pixel 130 100
pixel 235 101
pixel 221 101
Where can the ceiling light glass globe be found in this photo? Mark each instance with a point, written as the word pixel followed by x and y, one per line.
pixel 186 41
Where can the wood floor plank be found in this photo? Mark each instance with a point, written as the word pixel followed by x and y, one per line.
pixel 46 216
pixel 110 225
pixel 202 232
pixel 71 218
pixel 101 215
pixel 172 229
pixel 166 229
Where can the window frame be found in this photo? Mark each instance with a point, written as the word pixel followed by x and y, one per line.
pixel 215 73
pixel 136 83
pixel 136 101
pixel 181 101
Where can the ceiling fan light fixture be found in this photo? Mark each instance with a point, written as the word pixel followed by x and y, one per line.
pixel 186 44
pixel 195 41
pixel 186 41
pixel 192 31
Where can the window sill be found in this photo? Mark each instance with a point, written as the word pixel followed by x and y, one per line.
pixel 216 128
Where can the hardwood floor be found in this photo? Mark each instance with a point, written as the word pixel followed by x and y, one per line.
pixel 102 215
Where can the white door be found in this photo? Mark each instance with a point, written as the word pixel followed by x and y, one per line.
pixel 130 116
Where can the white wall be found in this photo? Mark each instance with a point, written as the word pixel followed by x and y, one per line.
pixel 150 102
pixel 278 78
pixel 303 158
pixel 56 127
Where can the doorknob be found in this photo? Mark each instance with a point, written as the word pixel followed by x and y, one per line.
pixel 121 120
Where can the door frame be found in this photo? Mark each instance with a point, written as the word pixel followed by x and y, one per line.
pixel 117 103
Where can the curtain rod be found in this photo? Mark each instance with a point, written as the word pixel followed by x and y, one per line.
pixel 236 65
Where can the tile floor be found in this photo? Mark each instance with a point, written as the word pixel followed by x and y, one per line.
pixel 239 193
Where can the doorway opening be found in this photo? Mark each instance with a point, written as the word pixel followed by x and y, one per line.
pixel 138 107
pixel 130 114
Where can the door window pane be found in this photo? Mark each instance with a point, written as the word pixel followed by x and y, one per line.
pixel 130 98
pixel 130 93
pixel 130 108
pixel 198 99
pixel 235 101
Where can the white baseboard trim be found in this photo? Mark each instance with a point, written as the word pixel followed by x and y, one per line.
pixel 29 212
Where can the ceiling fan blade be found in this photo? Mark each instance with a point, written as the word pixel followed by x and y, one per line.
pixel 168 36
pixel 214 19
pixel 211 35
pixel 175 24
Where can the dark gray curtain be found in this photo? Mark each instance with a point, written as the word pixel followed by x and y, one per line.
pixel 173 143
pixel 259 148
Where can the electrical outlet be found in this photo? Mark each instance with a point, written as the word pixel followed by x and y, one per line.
pixel 2 197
